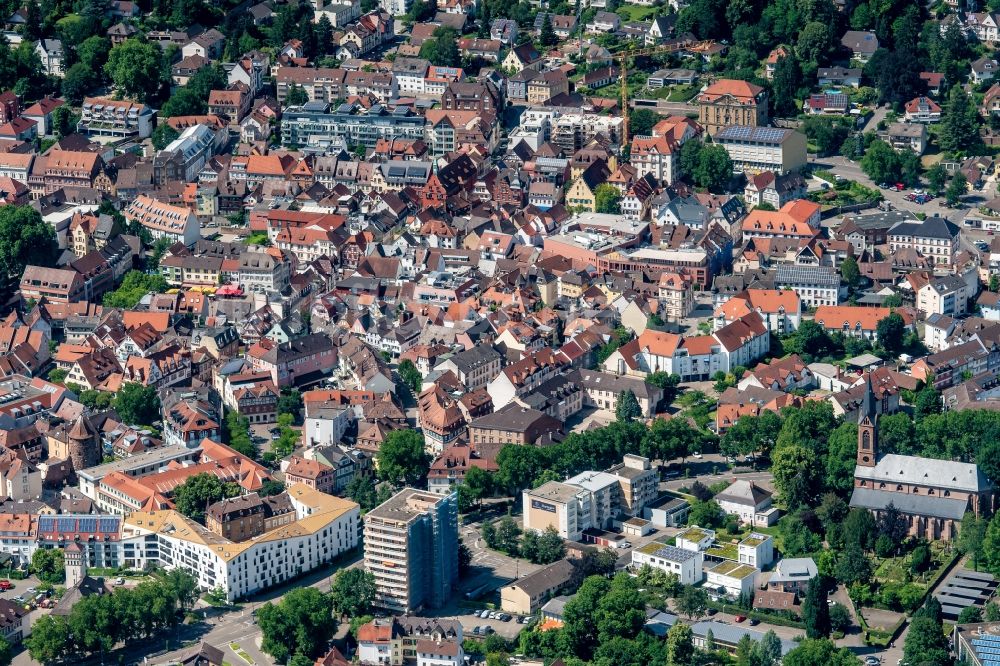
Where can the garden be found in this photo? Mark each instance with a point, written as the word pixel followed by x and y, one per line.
pixel 899 582
pixel 843 193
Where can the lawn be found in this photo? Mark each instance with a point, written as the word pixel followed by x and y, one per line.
pixel 635 13
pixel 727 551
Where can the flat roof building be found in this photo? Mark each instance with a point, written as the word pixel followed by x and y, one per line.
pixel 411 548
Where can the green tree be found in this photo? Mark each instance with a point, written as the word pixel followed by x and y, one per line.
pixel 853 566
pixel 163 135
pixel 237 434
pixel 881 163
pixel 693 602
pixel 959 122
pixel 926 643
pixel 28 240
pixel 957 187
pixel 890 331
pixel 551 546
pixel 49 565
pixel 785 83
pixel 850 272
pixel 76 83
pixel 361 489
pixel 401 458
pixel 814 42
pixel 642 121
pixel 301 623
pixel 840 463
pixel 93 52
pixel 410 375
pixel 290 402
pixel 135 285
pixel 937 177
pixel 815 611
pixel 991 545
pixel 137 404
pixel 200 491
pixel 134 69
pixel 810 652
pixel 627 408
pixel 680 648
pixel 296 96
pixel 508 536
pixel 797 476
pixel 442 48
pixel 352 592
pixel 715 168
pixel 971 535
pixel 706 514
pixel 184 102
pixel 479 483
pixel 547 36
pixel 607 199
pixel 928 402
pixel 49 640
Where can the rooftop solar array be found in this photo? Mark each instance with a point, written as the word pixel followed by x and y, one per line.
pixel 987 649
pixel 758 134
pixel 79 524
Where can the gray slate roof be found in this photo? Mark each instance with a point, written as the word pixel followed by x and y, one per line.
pixel 924 505
pixel 893 468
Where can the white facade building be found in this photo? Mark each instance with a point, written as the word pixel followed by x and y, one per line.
pixel 687 565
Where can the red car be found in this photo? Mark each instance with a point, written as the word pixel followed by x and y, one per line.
pixel 740 618
pixel 900 187
pixel 5 585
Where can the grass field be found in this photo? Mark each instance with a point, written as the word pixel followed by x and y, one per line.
pixel 635 13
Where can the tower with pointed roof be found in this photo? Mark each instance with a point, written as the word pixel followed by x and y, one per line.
pixel 867 428
pixel 82 444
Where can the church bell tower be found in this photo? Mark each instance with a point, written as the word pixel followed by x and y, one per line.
pixel 867 428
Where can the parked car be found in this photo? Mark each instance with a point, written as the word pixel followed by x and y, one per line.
pixel 754 622
pixel 476 630
pixel 739 618
pixel 487 630
pixel 119 581
pixel 5 585
pixel 30 590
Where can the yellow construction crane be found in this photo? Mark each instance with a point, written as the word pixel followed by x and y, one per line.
pixel 695 46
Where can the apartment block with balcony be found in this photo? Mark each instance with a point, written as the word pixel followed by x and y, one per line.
pixel 411 548
pixel 119 119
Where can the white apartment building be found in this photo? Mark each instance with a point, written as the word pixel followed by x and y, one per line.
pixel 324 527
pixel 693 357
pixel 947 295
pixel 756 149
pixel 687 565
pixel 815 285
pixel 117 119
pixel 591 499
pixel 164 220
pixel 396 7
pixel 731 579
pixel 756 549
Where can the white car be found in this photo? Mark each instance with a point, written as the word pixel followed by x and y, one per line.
pixel 696 454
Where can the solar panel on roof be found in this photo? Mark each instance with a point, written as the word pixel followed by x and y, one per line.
pixel 66 524
pixel 88 524
pixel 108 524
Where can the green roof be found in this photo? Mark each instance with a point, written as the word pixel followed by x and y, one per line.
pixel 733 570
pixel 693 534
pixel 652 547
pixel 753 539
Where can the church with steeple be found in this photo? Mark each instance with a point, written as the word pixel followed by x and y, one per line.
pixel 932 495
